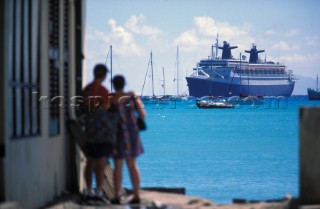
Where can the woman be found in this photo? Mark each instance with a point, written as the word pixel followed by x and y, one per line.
pixel 128 145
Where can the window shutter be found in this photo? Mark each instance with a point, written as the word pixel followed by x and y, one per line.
pixel 66 58
pixel 54 65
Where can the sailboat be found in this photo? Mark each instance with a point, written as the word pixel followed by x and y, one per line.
pixel 148 99
pixel 165 98
pixel 178 96
pixel 153 99
pixel 314 94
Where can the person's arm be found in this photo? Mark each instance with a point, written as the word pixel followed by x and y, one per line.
pixel 140 106
pixel 105 97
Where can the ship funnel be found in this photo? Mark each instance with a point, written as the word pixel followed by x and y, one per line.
pixel 226 50
pixel 254 54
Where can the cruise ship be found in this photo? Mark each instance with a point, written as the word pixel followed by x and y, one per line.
pixel 227 76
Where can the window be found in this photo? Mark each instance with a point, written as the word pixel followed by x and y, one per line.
pixel 24 79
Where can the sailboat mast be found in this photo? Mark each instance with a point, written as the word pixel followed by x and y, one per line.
pixel 145 77
pixel 152 75
pixel 111 66
pixel 317 83
pixel 164 82
pixel 177 70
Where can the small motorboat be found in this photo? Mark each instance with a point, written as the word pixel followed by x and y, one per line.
pixel 210 104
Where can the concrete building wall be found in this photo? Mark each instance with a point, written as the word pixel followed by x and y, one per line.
pixel 34 168
pixel 1 101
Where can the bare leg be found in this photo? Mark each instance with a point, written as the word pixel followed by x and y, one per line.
pixel 135 176
pixel 88 172
pixel 99 170
pixel 117 175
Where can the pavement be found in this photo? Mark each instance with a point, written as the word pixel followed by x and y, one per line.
pixel 162 200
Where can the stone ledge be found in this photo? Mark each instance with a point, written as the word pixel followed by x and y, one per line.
pixel 162 200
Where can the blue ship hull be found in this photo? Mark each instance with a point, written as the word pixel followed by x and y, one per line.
pixel 199 87
pixel 313 95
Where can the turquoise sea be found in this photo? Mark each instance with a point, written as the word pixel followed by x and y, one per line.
pixel 248 152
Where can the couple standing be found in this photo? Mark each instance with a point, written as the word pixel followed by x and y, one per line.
pixel 128 144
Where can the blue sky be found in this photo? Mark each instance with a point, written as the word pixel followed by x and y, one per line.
pixel 289 31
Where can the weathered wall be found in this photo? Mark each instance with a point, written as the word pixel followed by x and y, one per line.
pixel 35 171
pixel 34 167
pixel 309 155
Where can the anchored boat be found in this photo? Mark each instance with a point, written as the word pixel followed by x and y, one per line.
pixel 314 94
pixel 227 76
pixel 211 103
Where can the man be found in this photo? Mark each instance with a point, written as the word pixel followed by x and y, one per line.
pixel 96 99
